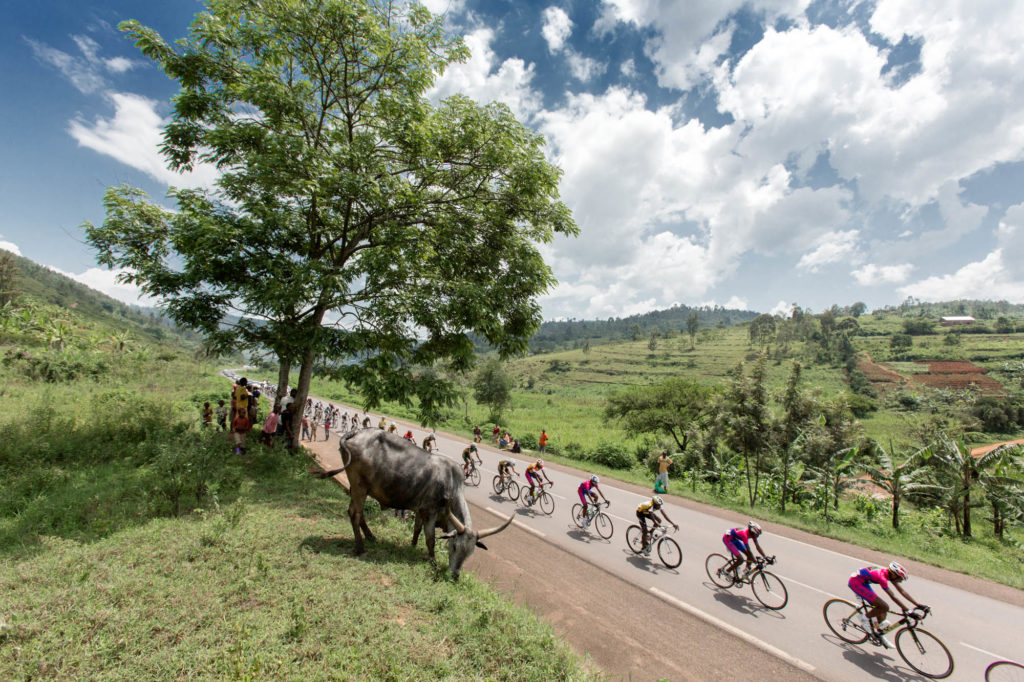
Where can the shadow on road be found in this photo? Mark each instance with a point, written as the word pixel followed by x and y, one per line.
pixel 583 536
pixel 742 604
pixel 650 564
pixel 874 661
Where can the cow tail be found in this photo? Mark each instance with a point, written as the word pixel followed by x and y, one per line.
pixel 344 465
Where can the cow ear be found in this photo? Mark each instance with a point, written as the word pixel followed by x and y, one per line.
pixel 481 545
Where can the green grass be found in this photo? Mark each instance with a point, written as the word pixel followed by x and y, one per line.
pixel 262 589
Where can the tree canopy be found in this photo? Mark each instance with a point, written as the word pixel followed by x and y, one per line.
pixel 353 219
pixel 672 407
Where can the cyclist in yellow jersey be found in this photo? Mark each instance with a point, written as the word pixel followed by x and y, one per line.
pixel 533 472
pixel 647 511
pixel 467 458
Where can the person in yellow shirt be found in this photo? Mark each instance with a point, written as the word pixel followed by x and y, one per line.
pixel 240 398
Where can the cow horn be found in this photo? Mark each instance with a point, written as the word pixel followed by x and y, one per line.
pixel 496 529
pixel 458 524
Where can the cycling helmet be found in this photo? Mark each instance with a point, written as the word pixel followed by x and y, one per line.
pixel 594 480
pixel 897 571
pixel 540 462
pixel 754 527
pixel 657 501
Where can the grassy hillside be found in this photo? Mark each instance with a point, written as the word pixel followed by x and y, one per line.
pixel 38 284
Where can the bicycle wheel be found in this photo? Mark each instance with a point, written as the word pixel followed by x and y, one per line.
pixel 924 652
pixel 842 619
pixel 715 566
pixel 769 590
pixel 1004 671
pixel 513 490
pixel 547 503
pixel 474 477
pixel 577 514
pixel 498 486
pixel 525 497
pixel 669 552
pixel 635 538
pixel 603 524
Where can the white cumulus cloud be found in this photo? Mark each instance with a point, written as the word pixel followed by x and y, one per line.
pixel 989 278
pixel 873 275
pixel 105 281
pixel 133 137
pixel 10 246
pixel 833 247
pixel 556 28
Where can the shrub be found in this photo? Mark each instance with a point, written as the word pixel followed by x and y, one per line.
pixel 901 341
pixel 574 450
pixel 529 441
pixel 612 455
pixel 861 406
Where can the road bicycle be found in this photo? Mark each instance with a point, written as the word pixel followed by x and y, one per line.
pixel 1004 671
pixel 768 587
pixel 668 549
pixel 923 651
pixel 541 496
pixel 508 485
pixel 601 522
pixel 473 475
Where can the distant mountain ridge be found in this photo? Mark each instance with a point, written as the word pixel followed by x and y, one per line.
pixel 561 334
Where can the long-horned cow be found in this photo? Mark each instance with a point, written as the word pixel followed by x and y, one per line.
pixel 398 474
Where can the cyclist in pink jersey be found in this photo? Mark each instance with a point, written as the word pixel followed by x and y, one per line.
pixel 587 489
pixel 737 541
pixel 861 581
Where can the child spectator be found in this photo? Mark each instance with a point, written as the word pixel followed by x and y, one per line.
pixel 327 426
pixel 305 428
pixel 207 414
pixel 222 415
pixel 239 429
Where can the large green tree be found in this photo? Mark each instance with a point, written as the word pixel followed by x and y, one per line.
pixel 493 387
pixel 369 226
pixel 673 408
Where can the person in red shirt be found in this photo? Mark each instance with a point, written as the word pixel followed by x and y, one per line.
pixel 240 428
pixel 543 442
pixel 270 428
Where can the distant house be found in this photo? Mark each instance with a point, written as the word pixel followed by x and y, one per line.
pixel 956 321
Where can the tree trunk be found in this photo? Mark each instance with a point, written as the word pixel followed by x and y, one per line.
pixel 283 376
pixel 895 512
pixel 785 478
pixel 967 513
pixel 305 375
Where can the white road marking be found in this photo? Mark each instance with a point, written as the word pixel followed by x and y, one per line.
pixel 987 653
pixel 809 587
pixel 518 523
pixel 732 629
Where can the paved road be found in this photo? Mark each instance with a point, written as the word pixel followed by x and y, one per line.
pixel 977 629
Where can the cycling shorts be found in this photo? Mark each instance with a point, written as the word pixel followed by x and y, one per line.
pixel 530 476
pixel 466 457
pixel 583 495
pixel 862 589
pixel 644 517
pixel 736 547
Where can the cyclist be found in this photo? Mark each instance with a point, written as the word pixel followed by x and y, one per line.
pixel 532 475
pixel 409 437
pixel 585 490
pixel 467 458
pixel 860 582
pixel 737 542
pixel 504 466
pixel 430 442
pixel 646 512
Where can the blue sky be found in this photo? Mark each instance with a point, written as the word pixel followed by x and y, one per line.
pixel 751 154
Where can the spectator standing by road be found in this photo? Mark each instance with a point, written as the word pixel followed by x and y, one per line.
pixel 312 428
pixel 664 462
pixel 478 435
pixel 542 444
pixel 270 428
pixel 222 415
pixel 327 426
pixel 239 399
pixel 207 414
pixel 239 430
pixel 305 428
